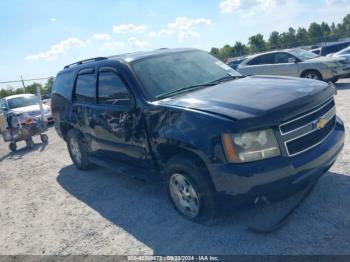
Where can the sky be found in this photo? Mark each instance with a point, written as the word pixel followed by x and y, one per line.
pixel 38 38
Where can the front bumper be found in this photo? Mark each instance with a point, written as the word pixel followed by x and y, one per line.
pixel 279 175
pixel 337 72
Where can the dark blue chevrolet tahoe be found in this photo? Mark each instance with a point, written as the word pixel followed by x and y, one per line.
pixel 183 117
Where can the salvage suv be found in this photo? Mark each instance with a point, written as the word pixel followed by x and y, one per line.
pixel 184 117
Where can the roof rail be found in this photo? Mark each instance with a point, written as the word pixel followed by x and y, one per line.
pixel 86 61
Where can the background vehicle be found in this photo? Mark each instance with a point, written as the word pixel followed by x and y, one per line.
pixel 184 117
pixel 343 53
pixel 21 119
pixel 330 49
pixel 297 63
pixel 234 62
pixel 27 104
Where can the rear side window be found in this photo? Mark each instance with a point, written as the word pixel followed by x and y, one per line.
pixel 85 89
pixel 262 60
pixel 111 88
pixel 63 84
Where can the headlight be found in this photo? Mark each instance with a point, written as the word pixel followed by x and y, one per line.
pixel 250 146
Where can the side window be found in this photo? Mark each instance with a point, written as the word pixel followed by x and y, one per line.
pixel 111 89
pixel 262 60
pixel 63 84
pixel 85 89
pixel 282 58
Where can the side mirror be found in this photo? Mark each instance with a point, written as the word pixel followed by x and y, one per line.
pixel 292 60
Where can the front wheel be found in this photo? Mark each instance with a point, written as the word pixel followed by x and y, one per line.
pixel 312 74
pixel 191 190
pixel 30 143
pixel 44 138
pixel 78 150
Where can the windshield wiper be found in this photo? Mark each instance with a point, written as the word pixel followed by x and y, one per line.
pixel 224 79
pixel 187 88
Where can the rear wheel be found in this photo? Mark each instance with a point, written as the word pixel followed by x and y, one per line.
pixel 13 147
pixel 44 138
pixel 191 190
pixel 78 150
pixel 312 74
pixel 30 143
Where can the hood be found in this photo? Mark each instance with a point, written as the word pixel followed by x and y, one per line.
pixel 329 60
pixel 256 100
pixel 27 109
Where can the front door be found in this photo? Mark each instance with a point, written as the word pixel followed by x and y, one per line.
pixel 119 132
pixel 284 64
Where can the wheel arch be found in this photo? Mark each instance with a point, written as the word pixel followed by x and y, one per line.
pixel 311 70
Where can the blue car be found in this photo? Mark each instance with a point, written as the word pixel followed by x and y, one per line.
pixel 210 135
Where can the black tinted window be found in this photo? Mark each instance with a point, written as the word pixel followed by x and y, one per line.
pixel 261 60
pixel 85 90
pixel 111 88
pixel 63 84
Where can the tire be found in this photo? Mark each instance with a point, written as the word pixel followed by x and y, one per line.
pixel 13 147
pixel 78 150
pixel 334 80
pixel 312 74
pixel 44 138
pixel 30 143
pixel 197 201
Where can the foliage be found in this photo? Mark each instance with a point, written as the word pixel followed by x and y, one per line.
pixel 311 36
pixel 44 89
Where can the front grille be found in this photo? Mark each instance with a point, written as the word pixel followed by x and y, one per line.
pixel 309 129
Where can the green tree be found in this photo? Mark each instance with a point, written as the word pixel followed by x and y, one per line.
pixel 315 33
pixel 302 36
pixel 48 85
pixel 240 49
pixel 274 40
pixel 257 43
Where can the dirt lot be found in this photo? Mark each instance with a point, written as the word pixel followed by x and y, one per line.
pixel 49 207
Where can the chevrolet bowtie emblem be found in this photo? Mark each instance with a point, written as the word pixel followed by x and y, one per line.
pixel 321 123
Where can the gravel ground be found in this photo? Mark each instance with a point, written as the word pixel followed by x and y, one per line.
pixel 49 207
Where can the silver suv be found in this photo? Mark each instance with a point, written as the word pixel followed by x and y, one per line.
pixel 297 63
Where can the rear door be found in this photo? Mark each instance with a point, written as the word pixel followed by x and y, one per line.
pixel 119 131
pixel 84 99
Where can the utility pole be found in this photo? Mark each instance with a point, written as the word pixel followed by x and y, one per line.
pixel 24 86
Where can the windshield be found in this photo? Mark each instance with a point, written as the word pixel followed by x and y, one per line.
pixel 168 73
pixel 344 51
pixel 22 101
pixel 302 54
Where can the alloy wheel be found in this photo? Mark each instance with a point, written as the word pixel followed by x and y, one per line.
pixel 184 195
pixel 75 149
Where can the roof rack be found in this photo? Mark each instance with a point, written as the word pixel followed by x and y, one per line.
pixel 86 61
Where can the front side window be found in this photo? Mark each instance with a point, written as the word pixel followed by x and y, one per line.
pixel 111 89
pixel 85 89
pixel 282 58
pixel 170 72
